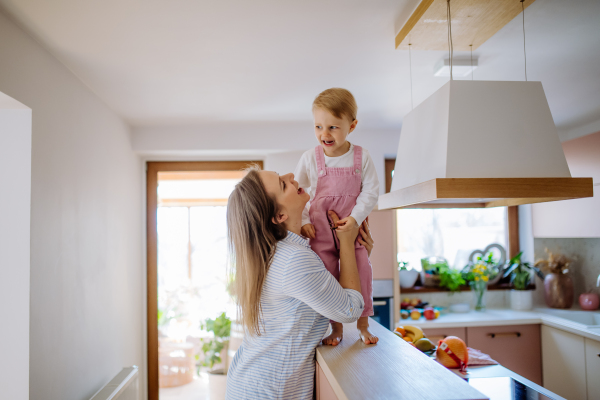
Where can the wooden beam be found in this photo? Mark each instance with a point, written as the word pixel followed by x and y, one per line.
pixel 473 23
pixel 412 21
pixel 486 192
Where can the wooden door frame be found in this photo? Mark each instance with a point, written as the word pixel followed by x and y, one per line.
pixel 152 170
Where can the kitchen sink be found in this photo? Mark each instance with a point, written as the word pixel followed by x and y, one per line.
pixel 587 318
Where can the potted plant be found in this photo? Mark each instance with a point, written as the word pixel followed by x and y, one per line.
pixel 430 273
pixel 408 277
pixel 521 275
pixel 558 285
pixel 450 279
pixel 215 349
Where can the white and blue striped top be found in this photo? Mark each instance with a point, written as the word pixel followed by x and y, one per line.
pixel 299 298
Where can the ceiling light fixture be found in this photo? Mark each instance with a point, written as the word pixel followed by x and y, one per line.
pixel 460 67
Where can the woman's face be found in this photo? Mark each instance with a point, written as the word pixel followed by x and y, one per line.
pixel 285 190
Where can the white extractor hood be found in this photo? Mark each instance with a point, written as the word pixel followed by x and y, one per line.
pixel 481 144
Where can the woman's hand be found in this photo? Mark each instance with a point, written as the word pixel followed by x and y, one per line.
pixel 346 236
pixel 365 237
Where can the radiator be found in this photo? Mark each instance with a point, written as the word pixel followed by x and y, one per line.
pixel 124 386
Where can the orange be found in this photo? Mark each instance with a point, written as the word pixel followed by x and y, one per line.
pixel 407 339
pixel 401 330
pixel 458 347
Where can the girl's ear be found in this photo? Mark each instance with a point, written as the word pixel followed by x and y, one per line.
pixel 281 218
pixel 353 125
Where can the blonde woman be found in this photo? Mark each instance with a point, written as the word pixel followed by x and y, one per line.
pixel 285 295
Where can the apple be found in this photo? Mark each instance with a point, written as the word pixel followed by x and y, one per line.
pixel 414 314
pixel 429 313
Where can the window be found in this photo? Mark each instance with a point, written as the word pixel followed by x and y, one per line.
pixel 451 233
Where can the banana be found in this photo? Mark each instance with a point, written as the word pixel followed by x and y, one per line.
pixel 413 332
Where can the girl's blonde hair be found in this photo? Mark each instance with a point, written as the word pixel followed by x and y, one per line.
pixel 252 238
pixel 339 102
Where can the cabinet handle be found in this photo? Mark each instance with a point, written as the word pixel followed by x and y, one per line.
pixel 517 334
pixel 380 303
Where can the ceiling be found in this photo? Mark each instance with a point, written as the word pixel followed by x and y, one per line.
pixel 193 62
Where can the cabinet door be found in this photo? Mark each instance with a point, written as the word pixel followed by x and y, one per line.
pixel 592 368
pixel 436 334
pixel 323 389
pixel 516 347
pixel 563 362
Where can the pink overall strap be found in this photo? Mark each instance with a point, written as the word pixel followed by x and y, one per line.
pixel 357 160
pixel 319 155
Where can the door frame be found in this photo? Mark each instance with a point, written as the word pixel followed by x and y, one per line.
pixel 152 170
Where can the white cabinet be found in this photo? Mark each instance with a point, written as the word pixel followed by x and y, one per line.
pixel 573 218
pixel 592 366
pixel 563 363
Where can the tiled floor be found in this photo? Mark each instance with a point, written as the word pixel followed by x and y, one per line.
pixel 204 387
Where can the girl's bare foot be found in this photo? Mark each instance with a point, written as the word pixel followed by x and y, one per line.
pixel 363 326
pixel 337 332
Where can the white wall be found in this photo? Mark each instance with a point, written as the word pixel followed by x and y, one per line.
pixel 15 201
pixel 87 273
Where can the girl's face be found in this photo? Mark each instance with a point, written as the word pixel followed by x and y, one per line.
pixel 331 132
pixel 289 196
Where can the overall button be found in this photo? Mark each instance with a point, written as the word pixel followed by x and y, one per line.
pixel 321 172
pixel 357 171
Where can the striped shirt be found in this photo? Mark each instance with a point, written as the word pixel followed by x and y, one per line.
pixel 299 298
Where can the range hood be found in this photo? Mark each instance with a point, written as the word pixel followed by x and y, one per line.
pixel 481 144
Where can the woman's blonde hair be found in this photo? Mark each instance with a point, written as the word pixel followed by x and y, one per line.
pixel 339 102
pixel 252 239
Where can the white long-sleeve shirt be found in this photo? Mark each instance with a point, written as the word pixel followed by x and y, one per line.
pixel 306 174
pixel 298 299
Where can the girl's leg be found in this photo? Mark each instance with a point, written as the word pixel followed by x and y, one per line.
pixel 337 332
pixel 363 326
pixel 366 287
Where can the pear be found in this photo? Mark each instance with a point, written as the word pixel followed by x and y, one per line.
pixel 424 344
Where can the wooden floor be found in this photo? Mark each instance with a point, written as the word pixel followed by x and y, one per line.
pixel 204 387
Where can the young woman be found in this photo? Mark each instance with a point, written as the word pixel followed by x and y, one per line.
pixel 285 295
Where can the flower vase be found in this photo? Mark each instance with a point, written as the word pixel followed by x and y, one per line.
pixel 479 289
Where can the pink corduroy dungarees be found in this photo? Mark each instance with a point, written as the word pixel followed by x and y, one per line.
pixel 337 190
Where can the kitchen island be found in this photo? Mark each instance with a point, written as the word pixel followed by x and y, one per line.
pixel 390 369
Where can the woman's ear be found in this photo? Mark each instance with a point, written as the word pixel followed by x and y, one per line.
pixel 281 218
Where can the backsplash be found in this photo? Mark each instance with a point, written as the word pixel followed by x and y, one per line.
pixel 585 267
pixel 495 298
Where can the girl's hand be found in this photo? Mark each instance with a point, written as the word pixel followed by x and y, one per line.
pixel 346 224
pixel 308 231
pixel 365 237
pixel 347 235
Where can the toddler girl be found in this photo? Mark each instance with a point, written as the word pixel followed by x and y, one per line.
pixel 340 177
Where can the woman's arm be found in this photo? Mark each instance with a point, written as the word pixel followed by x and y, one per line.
pixel 349 278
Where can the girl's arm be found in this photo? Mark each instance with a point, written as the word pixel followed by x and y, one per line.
pixel 369 191
pixel 302 176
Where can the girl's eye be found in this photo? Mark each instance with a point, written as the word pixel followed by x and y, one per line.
pixel 333 127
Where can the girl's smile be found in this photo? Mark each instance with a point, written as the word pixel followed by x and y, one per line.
pixel 331 132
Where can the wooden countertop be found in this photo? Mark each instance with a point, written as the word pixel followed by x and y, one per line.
pixel 391 369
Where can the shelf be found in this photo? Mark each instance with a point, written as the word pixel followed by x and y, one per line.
pixel 423 289
pixel 486 192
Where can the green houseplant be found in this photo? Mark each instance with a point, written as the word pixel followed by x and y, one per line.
pixel 215 349
pixel 521 275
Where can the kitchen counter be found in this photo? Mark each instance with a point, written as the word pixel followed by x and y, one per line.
pixel 389 369
pixel 496 317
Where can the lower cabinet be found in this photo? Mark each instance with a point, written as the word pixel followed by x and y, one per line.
pixel 516 347
pixel 563 361
pixel 592 368
pixel 323 389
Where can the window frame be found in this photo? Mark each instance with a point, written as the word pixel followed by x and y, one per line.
pixel 513 231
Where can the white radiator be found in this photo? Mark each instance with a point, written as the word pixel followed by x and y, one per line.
pixel 124 386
